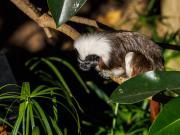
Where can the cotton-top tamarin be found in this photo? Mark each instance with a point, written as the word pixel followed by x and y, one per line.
pixel 118 53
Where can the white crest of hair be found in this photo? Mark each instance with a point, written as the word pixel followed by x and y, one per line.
pixel 128 61
pixel 90 44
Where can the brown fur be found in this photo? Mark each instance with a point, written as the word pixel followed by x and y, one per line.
pixel 147 54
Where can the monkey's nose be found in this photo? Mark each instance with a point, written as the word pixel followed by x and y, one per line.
pixel 84 67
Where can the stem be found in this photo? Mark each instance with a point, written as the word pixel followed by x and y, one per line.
pixel 114 119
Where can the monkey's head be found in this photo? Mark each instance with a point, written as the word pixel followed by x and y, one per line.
pixel 90 61
pixel 91 49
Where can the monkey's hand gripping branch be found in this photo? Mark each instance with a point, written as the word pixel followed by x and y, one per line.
pixel 119 80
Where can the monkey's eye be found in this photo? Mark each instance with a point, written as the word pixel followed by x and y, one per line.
pixel 80 60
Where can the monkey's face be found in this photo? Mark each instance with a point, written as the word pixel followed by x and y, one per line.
pixel 89 62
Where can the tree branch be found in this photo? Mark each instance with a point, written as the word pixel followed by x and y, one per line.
pixel 44 20
pixel 85 21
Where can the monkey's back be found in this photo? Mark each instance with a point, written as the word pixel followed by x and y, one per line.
pixel 147 54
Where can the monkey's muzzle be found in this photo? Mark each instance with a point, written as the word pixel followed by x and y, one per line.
pixel 87 65
pixel 84 66
pixel 89 62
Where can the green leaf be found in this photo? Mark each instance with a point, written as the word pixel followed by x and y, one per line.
pixel 27 120
pixel 58 74
pixel 35 131
pixel 25 90
pixel 4 121
pixel 62 10
pixel 168 121
pixel 57 129
pixel 43 116
pixel 22 110
pixel 145 85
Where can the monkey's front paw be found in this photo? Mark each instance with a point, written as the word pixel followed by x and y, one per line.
pixel 105 74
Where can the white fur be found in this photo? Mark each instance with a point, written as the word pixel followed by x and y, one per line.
pixel 128 60
pixel 97 68
pixel 93 44
pixel 116 72
pixel 105 74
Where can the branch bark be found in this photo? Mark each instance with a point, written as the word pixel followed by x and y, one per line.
pixel 85 21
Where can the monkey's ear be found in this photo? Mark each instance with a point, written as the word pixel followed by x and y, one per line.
pixel 128 63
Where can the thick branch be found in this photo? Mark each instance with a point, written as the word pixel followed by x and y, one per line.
pixel 46 21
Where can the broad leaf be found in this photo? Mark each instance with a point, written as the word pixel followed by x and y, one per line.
pixel 143 86
pixel 168 121
pixel 62 10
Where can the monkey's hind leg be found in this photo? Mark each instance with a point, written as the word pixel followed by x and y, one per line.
pixel 137 64
pixel 140 65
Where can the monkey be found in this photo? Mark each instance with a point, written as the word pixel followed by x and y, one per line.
pixel 118 53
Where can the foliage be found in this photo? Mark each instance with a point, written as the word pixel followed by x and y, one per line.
pixel 58 81
pixel 132 116
pixel 168 121
pixel 30 107
pixel 149 84
pixel 30 111
pixel 34 62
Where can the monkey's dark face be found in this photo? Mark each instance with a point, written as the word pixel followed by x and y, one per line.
pixel 89 62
